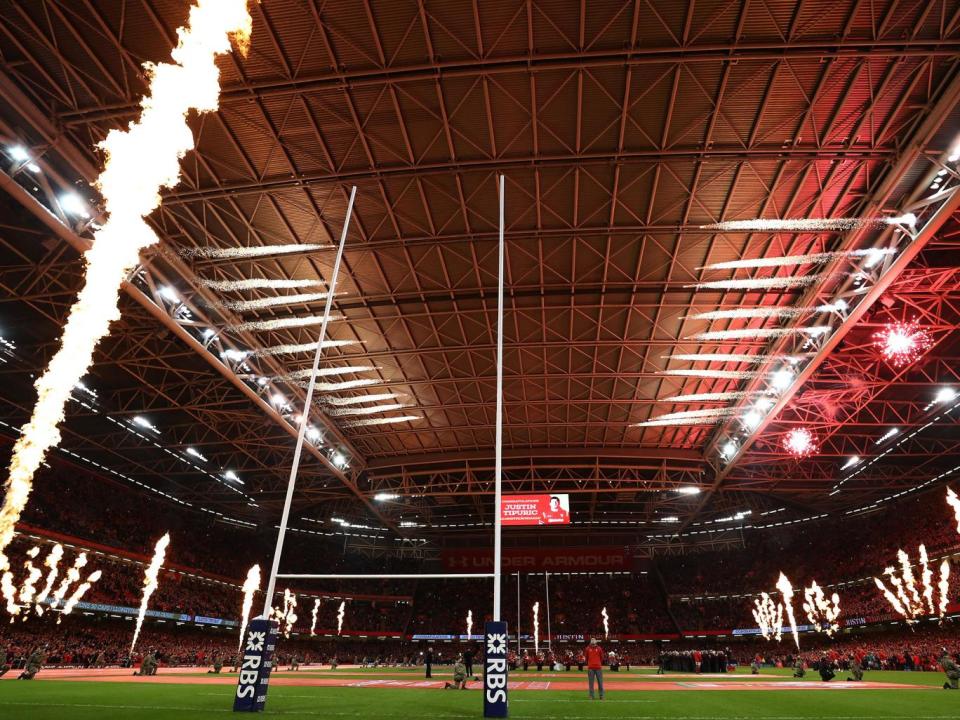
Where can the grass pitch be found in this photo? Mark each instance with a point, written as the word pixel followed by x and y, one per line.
pixel 82 700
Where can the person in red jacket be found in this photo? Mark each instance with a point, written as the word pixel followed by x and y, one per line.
pixel 594 655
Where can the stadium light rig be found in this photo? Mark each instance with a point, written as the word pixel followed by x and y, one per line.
pixel 385 497
pixel 689 490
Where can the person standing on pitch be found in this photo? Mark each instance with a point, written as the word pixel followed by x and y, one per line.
pixel 468 661
pixel 594 655
pixel 428 662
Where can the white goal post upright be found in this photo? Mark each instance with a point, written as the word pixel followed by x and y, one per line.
pixel 305 415
pixel 498 441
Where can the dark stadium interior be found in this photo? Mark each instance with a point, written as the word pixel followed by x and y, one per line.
pixel 621 129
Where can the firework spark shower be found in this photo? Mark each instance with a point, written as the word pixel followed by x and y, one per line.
pixel 243 253
pixel 809 224
pixel 140 161
pixel 821 612
pixel 151 580
pixel 786 592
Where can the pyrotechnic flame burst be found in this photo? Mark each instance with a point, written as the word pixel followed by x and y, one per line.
pixel 313 617
pixel 262 303
pixel 53 563
pixel 293 349
pixel 808 224
pixel 536 627
pixel 381 421
pixel 901 343
pixel 769 617
pixel 345 385
pixel 469 623
pixel 706 413
pixel 811 259
pixel 250 586
pixel 259 284
pixel 340 614
pixel 79 593
pixel 151 580
pixel 762 312
pixel 786 591
pixel 606 624
pixel 72 576
pixel 29 587
pixel 287 616
pixel 954 501
pixel 140 161
pixel 800 442
pixel 694 420
pixel 240 253
pixel 821 612
pixel 905 598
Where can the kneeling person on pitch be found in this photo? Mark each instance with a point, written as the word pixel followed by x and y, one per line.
pixel 951 670
pixel 459 676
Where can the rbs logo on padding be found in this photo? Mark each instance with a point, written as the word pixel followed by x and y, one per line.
pixel 495 671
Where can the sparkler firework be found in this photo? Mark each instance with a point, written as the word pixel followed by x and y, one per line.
pixel 954 501
pixel 345 385
pixel 140 161
pixel 536 627
pixel 151 580
pixel 774 283
pixel 259 284
pixel 727 357
pixel 340 412
pixel 606 624
pixel 709 397
pixel 262 303
pixel 313 617
pixel 760 332
pixel 281 323
pixel 695 420
pixel 358 399
pixel 763 312
pixel 722 374
pixel 811 259
pixel 340 614
pixel 808 224
pixel 241 253
pixel 821 613
pixel 321 372
pixel 300 348
pixel 250 586
pixel 381 421
pixel 786 592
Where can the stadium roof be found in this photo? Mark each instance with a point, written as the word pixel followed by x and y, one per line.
pixel 622 128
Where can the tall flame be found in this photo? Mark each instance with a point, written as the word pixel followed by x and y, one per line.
pixel 151 580
pixel 29 587
pixel 72 576
pixel 821 612
pixel 536 626
pixel 250 586
pixel 469 623
pixel 606 624
pixel 954 501
pixel 340 613
pixel 313 617
pixel 140 161
pixel 905 599
pixel 786 590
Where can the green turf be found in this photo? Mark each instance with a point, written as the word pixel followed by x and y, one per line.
pixel 72 700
